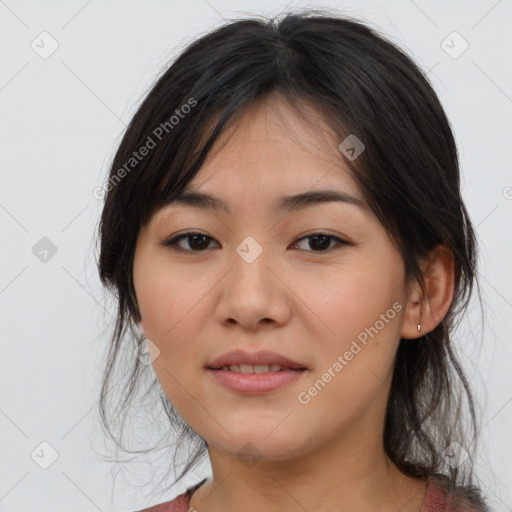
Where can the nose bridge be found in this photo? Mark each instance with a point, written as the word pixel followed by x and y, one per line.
pixel 250 260
pixel 251 291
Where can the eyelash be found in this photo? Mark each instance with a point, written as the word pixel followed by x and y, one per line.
pixel 173 242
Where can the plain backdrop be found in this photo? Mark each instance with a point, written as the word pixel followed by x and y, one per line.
pixel 71 75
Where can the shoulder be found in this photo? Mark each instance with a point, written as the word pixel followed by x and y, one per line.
pixel 441 496
pixel 178 504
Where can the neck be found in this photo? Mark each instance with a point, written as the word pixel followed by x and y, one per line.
pixel 349 473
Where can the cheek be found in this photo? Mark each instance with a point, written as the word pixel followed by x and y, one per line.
pixel 361 314
pixel 354 362
pixel 351 301
pixel 166 297
pixel 173 315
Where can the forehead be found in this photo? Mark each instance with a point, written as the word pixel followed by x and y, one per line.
pixel 275 148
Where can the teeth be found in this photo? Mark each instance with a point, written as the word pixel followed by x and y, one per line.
pixel 247 368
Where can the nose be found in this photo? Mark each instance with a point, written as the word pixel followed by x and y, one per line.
pixel 254 292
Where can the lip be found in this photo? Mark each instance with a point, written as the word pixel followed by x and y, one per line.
pixel 255 383
pixel 253 359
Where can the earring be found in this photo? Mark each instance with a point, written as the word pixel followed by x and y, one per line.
pixel 419 325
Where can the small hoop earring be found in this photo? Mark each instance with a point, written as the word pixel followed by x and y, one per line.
pixel 419 325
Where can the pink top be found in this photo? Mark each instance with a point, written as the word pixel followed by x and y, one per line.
pixel 435 501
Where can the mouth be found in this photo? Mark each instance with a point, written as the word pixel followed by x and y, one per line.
pixel 241 361
pixel 261 368
pixel 255 380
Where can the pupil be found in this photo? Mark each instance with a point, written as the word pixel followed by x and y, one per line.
pixel 324 245
pixel 200 245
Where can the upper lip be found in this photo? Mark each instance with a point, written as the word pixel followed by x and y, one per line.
pixel 253 358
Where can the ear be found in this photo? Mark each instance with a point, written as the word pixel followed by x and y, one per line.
pixel 427 307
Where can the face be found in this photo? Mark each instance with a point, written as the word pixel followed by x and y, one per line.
pixel 333 302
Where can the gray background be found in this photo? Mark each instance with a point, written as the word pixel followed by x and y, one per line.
pixel 61 119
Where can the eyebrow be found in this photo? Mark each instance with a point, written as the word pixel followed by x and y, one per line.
pixel 283 204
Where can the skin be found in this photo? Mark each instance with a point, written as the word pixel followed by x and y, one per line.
pixel 306 303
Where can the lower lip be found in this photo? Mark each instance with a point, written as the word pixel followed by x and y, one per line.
pixel 255 383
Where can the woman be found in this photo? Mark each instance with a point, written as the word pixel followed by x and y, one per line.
pixel 285 226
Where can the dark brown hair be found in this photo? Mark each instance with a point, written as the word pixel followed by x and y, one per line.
pixel 360 83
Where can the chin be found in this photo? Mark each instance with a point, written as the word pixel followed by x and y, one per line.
pixel 258 445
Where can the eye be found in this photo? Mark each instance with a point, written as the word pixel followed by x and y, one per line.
pixel 320 242
pixel 197 241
